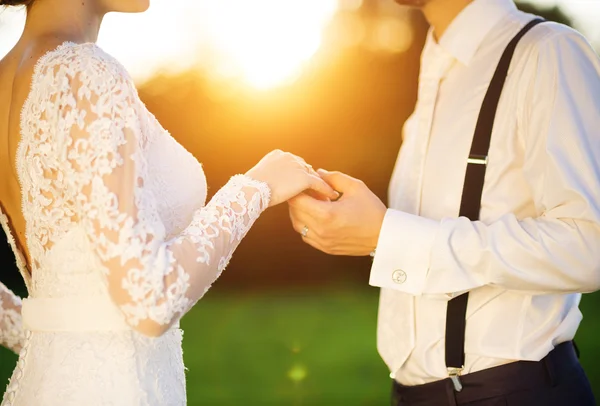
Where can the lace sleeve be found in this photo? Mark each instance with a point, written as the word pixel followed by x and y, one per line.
pixel 153 280
pixel 12 334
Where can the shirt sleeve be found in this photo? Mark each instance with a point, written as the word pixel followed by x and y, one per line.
pixel 556 252
pixel 12 334
pixel 101 135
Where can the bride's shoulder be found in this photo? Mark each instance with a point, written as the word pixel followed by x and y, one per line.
pixel 66 58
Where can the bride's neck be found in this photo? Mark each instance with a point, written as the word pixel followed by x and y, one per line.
pixel 69 20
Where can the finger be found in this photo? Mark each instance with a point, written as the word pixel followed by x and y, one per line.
pixel 297 219
pixel 300 201
pixel 312 172
pixel 300 226
pixel 319 190
pixel 315 244
pixel 301 220
pixel 338 180
pixel 314 193
pixel 305 165
pixel 321 186
pixel 317 195
pixel 314 207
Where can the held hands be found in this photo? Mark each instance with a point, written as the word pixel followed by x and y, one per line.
pixel 348 226
pixel 287 176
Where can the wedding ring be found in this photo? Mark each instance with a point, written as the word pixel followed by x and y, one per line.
pixel 304 231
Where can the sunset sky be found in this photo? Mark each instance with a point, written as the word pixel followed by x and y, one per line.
pixel 234 38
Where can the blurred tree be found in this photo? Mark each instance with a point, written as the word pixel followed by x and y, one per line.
pixel 345 114
pixel 553 13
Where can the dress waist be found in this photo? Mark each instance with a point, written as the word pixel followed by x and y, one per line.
pixel 74 314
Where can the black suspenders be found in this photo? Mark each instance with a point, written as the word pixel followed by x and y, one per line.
pixel 471 201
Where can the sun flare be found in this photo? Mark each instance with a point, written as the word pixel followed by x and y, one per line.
pixel 263 42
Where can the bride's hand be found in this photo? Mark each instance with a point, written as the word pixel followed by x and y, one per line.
pixel 288 175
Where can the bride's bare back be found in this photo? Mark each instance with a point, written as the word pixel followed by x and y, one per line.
pixel 46 28
pixel 16 69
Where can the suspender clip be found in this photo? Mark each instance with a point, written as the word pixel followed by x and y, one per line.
pixel 454 374
pixel 478 159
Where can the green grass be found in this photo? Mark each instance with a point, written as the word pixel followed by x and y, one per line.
pixel 290 349
pixel 301 348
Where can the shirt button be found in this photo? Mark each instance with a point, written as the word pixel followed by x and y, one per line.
pixel 399 277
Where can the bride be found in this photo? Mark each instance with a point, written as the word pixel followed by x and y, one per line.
pixel 106 214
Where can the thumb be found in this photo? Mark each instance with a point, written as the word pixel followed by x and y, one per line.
pixel 339 181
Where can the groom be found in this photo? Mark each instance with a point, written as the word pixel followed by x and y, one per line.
pixel 493 224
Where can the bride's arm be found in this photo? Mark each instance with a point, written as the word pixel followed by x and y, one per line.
pixel 12 334
pixel 154 280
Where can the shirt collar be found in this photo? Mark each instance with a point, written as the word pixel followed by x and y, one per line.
pixel 469 28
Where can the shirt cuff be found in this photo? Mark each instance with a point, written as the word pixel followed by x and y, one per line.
pixel 403 252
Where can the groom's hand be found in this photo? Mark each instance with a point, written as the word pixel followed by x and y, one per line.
pixel 348 226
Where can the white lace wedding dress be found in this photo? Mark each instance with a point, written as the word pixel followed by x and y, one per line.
pixel 121 243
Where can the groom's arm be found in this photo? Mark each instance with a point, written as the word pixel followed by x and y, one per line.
pixel 549 254
pixel 538 256
pixel 556 252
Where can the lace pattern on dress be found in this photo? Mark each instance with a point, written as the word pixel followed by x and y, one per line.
pixel 12 334
pixel 82 162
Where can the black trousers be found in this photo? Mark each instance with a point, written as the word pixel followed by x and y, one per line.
pixel 556 380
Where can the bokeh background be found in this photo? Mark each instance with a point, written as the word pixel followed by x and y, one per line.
pixel 332 81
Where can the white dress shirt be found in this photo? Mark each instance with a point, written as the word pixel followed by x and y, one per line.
pixel 536 245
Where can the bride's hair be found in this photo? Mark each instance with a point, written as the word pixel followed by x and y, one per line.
pixel 26 3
